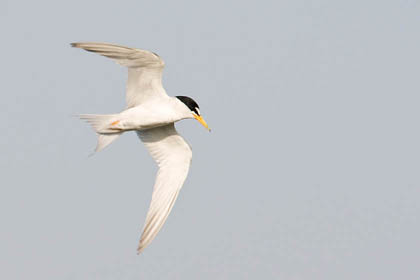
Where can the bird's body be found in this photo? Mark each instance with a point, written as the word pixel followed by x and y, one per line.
pixel 151 113
pixel 157 112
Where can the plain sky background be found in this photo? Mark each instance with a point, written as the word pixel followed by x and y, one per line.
pixel 311 170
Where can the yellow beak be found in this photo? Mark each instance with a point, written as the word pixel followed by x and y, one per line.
pixel 202 121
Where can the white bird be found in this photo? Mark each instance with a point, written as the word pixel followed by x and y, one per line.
pixel 151 113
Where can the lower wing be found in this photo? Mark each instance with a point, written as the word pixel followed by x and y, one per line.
pixel 173 156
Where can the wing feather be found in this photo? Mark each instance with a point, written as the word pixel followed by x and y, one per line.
pixel 144 70
pixel 173 156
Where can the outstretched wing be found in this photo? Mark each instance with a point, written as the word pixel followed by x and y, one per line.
pixel 144 70
pixel 173 156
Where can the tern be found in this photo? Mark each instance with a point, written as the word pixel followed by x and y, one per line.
pixel 151 113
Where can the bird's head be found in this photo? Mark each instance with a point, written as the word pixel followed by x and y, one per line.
pixel 195 109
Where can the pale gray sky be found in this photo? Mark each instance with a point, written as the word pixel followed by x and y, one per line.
pixel 311 170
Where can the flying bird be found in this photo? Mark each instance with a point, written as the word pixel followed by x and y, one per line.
pixel 151 113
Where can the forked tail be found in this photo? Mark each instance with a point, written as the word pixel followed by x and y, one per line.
pixel 105 127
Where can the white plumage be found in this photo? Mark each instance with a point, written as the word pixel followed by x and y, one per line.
pixel 151 113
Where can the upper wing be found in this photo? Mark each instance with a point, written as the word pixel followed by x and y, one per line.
pixel 144 70
pixel 173 156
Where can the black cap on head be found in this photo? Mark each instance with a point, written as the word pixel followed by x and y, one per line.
pixel 190 103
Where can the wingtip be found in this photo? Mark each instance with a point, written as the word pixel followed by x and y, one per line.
pixel 77 44
pixel 141 247
pixel 139 250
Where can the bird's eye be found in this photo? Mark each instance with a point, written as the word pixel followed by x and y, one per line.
pixel 197 111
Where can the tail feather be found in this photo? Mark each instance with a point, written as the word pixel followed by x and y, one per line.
pixel 101 124
pixel 106 139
